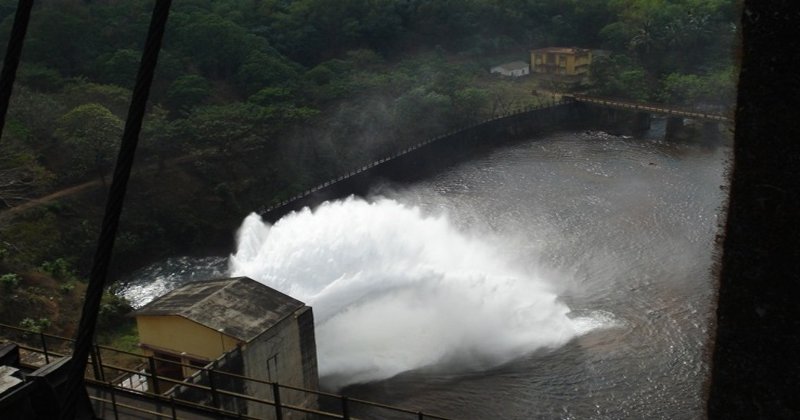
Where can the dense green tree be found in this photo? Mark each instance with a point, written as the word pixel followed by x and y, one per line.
pixel 93 134
pixel 273 96
pixel 504 97
pixel 187 92
pixel 470 104
pixel 618 77
pixel 160 137
pixel 443 22
pixel 311 31
pixel 120 24
pixel 364 59
pixel 422 113
pixel 21 178
pixel 114 98
pixel 671 35
pixel 716 89
pixel 60 37
pixel 40 77
pixel 589 17
pixel 38 112
pixel 231 128
pixel 262 69
pixel 217 46
pixel 282 108
pixel 328 81
pixel 118 67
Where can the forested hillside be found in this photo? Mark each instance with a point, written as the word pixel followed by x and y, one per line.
pixel 255 100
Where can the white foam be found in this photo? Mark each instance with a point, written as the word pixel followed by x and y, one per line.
pixel 594 321
pixel 394 290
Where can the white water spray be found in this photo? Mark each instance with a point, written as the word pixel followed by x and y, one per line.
pixel 393 290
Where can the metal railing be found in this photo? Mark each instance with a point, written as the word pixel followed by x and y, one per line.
pixel 683 112
pixel 212 390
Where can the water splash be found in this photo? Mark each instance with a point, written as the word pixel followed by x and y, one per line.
pixel 394 290
pixel 148 283
pixel 595 321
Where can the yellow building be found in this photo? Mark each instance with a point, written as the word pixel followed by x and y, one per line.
pixel 571 61
pixel 238 323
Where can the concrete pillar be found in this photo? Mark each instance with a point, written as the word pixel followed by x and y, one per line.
pixel 610 119
pixel 710 131
pixel 641 123
pixel 611 116
pixel 674 128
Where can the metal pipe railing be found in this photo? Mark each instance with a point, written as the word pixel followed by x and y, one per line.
pixel 212 392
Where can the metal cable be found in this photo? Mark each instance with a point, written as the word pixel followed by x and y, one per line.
pixel 74 389
pixel 15 41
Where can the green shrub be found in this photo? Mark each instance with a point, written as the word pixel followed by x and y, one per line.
pixel 9 282
pixel 33 325
pixel 59 268
pixel 36 290
pixel 112 313
pixel 29 324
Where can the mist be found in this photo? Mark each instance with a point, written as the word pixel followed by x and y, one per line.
pixel 395 290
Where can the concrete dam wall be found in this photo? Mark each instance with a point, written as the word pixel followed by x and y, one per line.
pixel 432 155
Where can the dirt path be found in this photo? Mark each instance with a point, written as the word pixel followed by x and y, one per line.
pixel 77 189
pixel 54 196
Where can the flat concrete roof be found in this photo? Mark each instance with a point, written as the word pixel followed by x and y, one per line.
pixel 240 307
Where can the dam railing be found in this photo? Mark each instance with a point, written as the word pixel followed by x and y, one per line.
pixel 652 108
pixel 132 385
pixel 509 115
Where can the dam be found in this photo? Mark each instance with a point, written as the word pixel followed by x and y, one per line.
pixel 620 232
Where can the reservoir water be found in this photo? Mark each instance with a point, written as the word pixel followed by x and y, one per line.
pixel 567 277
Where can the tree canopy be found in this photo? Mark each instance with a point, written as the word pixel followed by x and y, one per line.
pixel 92 134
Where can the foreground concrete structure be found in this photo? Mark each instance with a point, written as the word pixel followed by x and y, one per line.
pixel 756 369
pixel 236 326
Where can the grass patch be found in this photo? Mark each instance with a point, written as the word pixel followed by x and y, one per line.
pixel 125 337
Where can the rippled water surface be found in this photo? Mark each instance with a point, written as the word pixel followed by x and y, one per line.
pixel 624 231
pixel 628 227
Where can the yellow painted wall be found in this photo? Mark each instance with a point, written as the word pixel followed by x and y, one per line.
pixel 182 335
pixel 584 59
pixel 565 64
